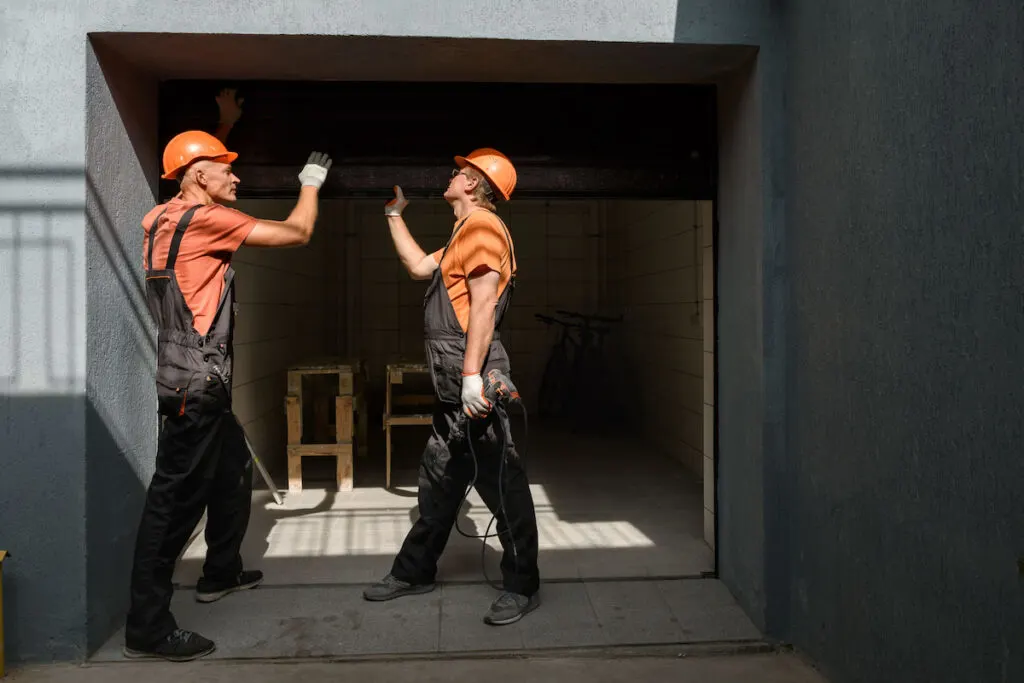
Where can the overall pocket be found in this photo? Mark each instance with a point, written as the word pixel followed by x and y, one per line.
pixel 175 380
pixel 444 358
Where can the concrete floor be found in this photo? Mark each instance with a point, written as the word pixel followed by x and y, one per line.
pixel 606 508
pixel 621 559
pixel 604 668
pixel 334 621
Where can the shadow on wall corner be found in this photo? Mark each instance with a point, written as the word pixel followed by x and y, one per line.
pixel 68 590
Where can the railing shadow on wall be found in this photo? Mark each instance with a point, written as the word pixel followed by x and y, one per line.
pixel 38 244
pixel 29 215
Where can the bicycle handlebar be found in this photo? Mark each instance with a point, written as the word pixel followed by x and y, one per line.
pixel 547 320
pixel 587 318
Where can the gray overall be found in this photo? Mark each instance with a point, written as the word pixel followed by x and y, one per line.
pixel 445 471
pixel 202 459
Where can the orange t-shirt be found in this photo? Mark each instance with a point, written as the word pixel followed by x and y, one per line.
pixel 211 239
pixel 481 244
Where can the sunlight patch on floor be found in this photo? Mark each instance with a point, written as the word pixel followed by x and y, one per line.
pixel 308 528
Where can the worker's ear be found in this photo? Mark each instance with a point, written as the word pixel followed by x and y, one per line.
pixel 199 175
pixel 471 183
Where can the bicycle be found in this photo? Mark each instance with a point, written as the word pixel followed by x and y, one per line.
pixel 575 380
pixel 594 403
pixel 554 386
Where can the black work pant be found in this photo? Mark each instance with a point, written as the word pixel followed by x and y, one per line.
pixel 202 463
pixel 444 475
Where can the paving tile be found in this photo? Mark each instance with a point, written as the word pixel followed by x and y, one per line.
pixel 706 611
pixel 633 612
pixel 565 618
pixel 612 564
pixel 558 565
pixel 462 625
pixel 404 625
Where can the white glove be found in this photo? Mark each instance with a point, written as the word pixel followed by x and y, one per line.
pixel 314 172
pixel 396 205
pixel 473 401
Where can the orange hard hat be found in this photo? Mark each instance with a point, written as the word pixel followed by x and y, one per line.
pixel 191 146
pixel 495 166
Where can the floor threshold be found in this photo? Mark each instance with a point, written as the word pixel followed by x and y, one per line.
pixel 660 650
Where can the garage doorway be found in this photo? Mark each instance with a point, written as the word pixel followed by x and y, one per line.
pixel 601 227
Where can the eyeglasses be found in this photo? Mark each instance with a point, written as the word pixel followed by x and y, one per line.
pixel 456 172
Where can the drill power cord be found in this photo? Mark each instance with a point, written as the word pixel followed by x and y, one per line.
pixel 506 427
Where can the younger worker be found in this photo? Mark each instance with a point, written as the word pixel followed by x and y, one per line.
pixel 472 279
pixel 202 460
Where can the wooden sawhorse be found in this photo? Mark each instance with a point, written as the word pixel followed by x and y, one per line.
pixel 395 375
pixel 349 407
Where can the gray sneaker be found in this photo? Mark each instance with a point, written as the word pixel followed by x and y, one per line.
pixel 389 588
pixel 510 608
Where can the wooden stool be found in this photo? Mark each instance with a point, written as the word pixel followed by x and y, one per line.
pixel 395 375
pixel 348 401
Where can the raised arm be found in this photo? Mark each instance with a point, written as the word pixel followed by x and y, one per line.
pixel 297 229
pixel 417 262
pixel 230 107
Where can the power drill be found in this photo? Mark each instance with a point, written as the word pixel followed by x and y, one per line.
pixel 499 392
pixel 499 389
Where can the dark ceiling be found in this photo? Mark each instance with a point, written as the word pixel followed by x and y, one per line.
pixel 578 119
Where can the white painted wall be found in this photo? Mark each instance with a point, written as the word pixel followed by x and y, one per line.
pixel 653 258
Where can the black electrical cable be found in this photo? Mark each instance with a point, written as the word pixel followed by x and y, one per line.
pixel 501 492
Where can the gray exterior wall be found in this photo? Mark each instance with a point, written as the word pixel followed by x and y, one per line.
pixel 906 263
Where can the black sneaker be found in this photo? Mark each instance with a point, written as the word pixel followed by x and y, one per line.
pixel 211 591
pixel 389 588
pixel 510 608
pixel 178 646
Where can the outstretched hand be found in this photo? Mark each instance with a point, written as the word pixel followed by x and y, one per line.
pixel 396 205
pixel 315 171
pixel 230 106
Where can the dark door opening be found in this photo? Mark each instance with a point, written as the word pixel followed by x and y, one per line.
pixel 611 215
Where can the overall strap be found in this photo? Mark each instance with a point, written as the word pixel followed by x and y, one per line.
pixel 450 240
pixel 511 247
pixel 152 238
pixel 179 232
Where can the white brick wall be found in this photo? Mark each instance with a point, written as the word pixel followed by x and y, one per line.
pixel 653 258
pixel 288 309
pixel 708 314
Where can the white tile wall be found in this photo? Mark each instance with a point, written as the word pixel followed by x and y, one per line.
pixel 708 308
pixel 288 309
pixel 653 260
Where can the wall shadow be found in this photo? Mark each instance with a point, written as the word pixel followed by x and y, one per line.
pixel 42 507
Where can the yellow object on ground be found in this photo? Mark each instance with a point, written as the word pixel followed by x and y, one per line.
pixel 3 556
